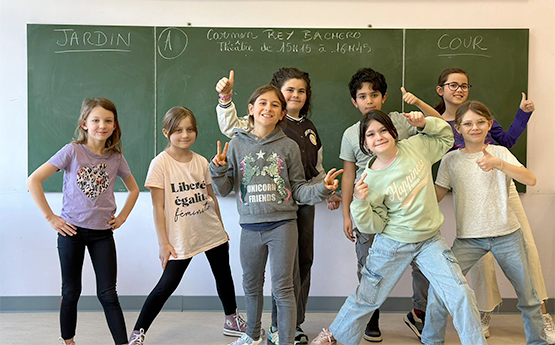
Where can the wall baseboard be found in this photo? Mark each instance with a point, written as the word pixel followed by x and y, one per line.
pixel 11 304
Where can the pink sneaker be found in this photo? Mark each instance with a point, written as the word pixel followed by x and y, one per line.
pixel 235 325
pixel 324 338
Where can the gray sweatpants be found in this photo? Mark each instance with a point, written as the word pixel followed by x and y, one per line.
pixel 280 245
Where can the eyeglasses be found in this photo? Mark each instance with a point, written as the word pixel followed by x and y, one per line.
pixel 455 86
pixel 479 123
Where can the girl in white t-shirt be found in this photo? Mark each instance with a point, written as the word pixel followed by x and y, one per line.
pixel 188 222
pixel 479 176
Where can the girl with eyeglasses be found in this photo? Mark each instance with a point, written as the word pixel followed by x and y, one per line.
pixel 453 87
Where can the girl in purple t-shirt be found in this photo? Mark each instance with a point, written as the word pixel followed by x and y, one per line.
pixel 88 217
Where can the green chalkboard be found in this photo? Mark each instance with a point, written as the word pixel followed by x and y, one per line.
pixel 67 64
pixel 147 70
pixel 191 60
pixel 496 61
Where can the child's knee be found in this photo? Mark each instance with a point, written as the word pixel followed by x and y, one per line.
pixel 108 296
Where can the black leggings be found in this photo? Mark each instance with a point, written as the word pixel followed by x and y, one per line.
pixel 102 250
pixel 218 258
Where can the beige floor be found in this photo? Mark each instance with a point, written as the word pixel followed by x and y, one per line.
pixel 205 328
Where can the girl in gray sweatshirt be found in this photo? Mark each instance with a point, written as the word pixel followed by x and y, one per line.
pixel 264 167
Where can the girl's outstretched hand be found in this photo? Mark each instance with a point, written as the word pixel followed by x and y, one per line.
pixel 409 98
pixel 526 106
pixel 416 119
pixel 220 158
pixel 489 161
pixel 164 254
pixel 225 85
pixel 330 181
pixel 361 188
pixel 61 226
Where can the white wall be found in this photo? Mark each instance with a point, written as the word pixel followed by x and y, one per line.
pixel 28 256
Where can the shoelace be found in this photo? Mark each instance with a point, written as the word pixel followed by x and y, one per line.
pixel 485 318
pixel 243 340
pixel 325 334
pixel 548 323
pixel 241 323
pixel 138 338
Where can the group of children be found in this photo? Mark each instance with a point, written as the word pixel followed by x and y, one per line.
pixel 274 164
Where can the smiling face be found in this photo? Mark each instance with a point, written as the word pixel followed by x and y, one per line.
pixel 294 91
pixel 99 125
pixel 183 136
pixel 473 127
pixel 378 139
pixel 456 97
pixel 368 99
pixel 267 110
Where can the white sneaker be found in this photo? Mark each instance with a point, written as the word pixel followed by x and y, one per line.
pixel 64 342
pixel 245 340
pixel 485 317
pixel 138 338
pixel 549 327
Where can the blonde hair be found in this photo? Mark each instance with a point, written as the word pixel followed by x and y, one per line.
pixel 113 143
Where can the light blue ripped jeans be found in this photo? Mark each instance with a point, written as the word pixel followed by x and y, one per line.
pixel 387 261
pixel 510 253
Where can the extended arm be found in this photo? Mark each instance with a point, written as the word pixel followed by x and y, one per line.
pixel 510 137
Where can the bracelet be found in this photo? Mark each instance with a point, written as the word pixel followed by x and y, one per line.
pixel 227 97
pixel 501 168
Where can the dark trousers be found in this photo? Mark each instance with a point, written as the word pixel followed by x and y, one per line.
pixel 102 250
pixel 218 258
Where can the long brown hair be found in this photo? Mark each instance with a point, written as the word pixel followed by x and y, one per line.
pixel 113 143
pixel 440 107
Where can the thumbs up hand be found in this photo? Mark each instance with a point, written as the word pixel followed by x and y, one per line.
pixel 409 98
pixel 225 85
pixel 526 105
pixel 489 162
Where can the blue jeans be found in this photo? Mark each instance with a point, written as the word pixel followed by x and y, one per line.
pixel 420 284
pixel 386 262
pixel 510 253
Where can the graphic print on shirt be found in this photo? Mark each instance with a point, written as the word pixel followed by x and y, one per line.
pixel 93 181
pixel 409 187
pixel 196 194
pixel 262 192
pixel 309 133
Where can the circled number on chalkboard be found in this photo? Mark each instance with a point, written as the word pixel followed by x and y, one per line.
pixel 172 42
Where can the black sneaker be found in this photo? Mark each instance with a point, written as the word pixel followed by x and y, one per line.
pixel 415 323
pixel 300 336
pixel 372 332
